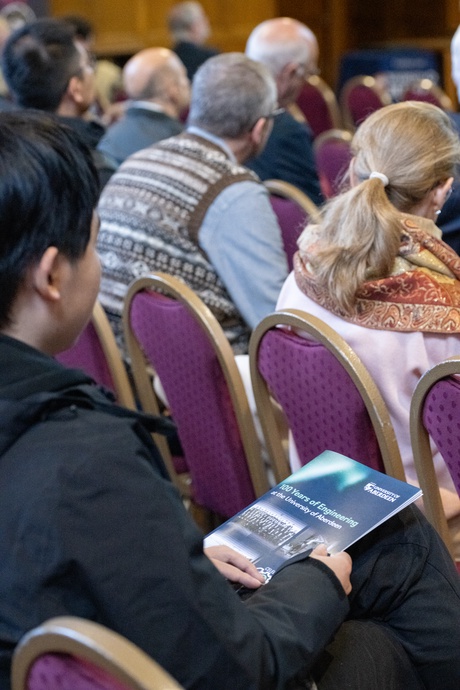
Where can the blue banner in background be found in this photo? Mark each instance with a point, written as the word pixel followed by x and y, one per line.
pixel 399 66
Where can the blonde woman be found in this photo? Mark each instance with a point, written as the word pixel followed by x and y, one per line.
pixel 376 269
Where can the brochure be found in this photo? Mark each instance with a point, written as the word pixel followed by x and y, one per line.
pixel 332 500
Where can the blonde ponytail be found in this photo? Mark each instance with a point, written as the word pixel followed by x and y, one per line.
pixel 413 147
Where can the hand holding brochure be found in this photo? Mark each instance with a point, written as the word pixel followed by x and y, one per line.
pixel 332 500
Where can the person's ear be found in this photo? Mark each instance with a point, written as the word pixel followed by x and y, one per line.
pixel 441 193
pixel 289 71
pixel 284 80
pixel 259 131
pixel 74 89
pixel 47 275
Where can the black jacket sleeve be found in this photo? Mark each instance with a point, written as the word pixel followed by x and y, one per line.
pixel 137 557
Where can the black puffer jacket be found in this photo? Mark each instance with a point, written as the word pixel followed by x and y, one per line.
pixel 90 526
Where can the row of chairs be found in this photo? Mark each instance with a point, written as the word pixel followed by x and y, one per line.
pixel 332 121
pixel 359 97
pixel 327 397
pixel 329 401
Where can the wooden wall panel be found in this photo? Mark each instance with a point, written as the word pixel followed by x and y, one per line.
pixel 329 19
pixel 125 27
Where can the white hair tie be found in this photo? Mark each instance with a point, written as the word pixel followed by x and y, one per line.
pixel 380 176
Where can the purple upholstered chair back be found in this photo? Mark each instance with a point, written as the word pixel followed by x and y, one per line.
pixel 362 101
pixel 360 97
pixel 97 354
pixel 322 405
pixel 181 354
pixel 427 91
pixel 87 354
pixel 66 672
pixel 294 209
pixel 319 106
pixel 292 220
pixel 333 155
pixel 70 653
pixel 329 400
pixel 441 418
pixel 435 417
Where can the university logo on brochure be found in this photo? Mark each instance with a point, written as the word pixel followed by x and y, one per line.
pixel 382 493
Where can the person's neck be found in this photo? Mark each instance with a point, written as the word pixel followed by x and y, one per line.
pixel 68 109
pixel 158 105
pixel 241 148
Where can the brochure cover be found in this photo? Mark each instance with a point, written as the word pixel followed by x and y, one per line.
pixel 333 500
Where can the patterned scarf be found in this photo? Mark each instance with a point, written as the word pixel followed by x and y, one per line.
pixel 421 294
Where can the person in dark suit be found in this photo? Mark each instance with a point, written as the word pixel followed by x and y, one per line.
pixel 290 51
pixel 189 27
pixel 156 82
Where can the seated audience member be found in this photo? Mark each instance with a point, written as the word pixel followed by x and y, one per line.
pixel 107 75
pixel 157 84
pixel 92 527
pixel 189 28
pixel 187 205
pixel 47 69
pixel 449 217
pixel 376 270
pixel 290 51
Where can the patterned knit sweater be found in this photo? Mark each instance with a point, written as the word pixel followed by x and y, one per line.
pixel 151 212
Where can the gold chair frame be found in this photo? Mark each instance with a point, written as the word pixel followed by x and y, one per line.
pixel 336 134
pixel 123 390
pixel 329 96
pixel 365 80
pixel 286 190
pixel 176 289
pixel 95 644
pixel 421 448
pixel 301 322
pixel 428 86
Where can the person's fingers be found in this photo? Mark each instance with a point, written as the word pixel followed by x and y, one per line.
pixel 230 572
pixel 234 566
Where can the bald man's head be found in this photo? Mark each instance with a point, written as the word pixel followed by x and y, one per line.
pixel 290 51
pixel 157 74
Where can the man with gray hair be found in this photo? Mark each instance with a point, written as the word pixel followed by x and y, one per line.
pixel 157 85
pixel 189 27
pixel 289 49
pixel 187 205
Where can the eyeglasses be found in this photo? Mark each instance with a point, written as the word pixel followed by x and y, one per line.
pixel 87 64
pixel 271 116
pixel 274 113
pixel 304 71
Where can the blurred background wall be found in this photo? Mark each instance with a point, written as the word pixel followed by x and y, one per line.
pixel 125 26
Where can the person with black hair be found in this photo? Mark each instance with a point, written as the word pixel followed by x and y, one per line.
pixel 46 68
pixel 108 75
pixel 91 526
